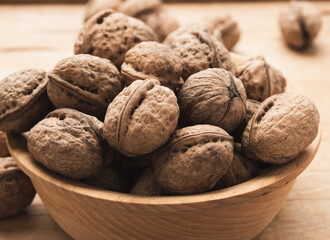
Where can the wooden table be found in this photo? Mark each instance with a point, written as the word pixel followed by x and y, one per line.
pixel 41 35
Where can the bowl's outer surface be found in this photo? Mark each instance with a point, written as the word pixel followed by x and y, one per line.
pixel 239 212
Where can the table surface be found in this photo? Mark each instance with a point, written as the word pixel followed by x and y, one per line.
pixel 41 35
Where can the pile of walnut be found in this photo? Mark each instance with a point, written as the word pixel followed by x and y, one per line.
pixel 138 116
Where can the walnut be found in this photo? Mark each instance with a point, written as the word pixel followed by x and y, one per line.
pixel 111 34
pixel 282 127
pixel 194 159
pixel 16 189
pixel 213 96
pixel 199 51
pixel 228 29
pixel 110 178
pixel 241 170
pixel 95 6
pixel 300 23
pixel 260 79
pixel 147 185
pixel 135 8
pixel 70 143
pixel 141 118
pixel 153 60
pixel 85 83
pixel 161 21
pixel 23 100
pixel 4 152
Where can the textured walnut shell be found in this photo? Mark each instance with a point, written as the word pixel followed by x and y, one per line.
pixel 141 118
pixel 135 8
pixel 23 100
pixel 260 79
pixel 282 127
pixel 110 178
pixel 213 96
pixel 147 185
pixel 241 170
pixel 161 21
pixel 16 190
pixel 153 60
pixel 4 152
pixel 70 143
pixel 85 83
pixel 300 23
pixel 95 6
pixel 228 29
pixel 199 51
pixel 110 34
pixel 194 159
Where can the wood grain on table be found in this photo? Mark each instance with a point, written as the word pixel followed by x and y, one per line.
pixel 41 35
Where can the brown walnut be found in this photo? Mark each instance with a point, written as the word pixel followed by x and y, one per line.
pixel 241 170
pixel 153 60
pixel 23 100
pixel 141 118
pixel 147 185
pixel 85 83
pixel 194 159
pixel 199 51
pixel 110 34
pixel 260 79
pixel 95 6
pixel 283 126
pixel 300 23
pixel 16 189
pixel 136 8
pixel 4 152
pixel 70 143
pixel 213 96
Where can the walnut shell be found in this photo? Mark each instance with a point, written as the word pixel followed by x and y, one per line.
pixel 260 79
pixel 147 185
pixel 111 179
pixel 282 127
pixel 110 34
pixel 4 152
pixel 95 6
pixel 141 118
pixel 85 83
pixel 199 51
pixel 213 96
pixel 70 143
pixel 161 21
pixel 228 29
pixel 23 100
pixel 153 60
pixel 241 170
pixel 135 8
pixel 16 189
pixel 194 159
pixel 300 23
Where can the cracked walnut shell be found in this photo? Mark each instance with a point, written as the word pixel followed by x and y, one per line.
pixel 193 159
pixel 141 118
pixel 213 96
pixel 16 189
pixel 111 34
pixel 283 126
pixel 153 60
pixel 300 23
pixel 23 100
pixel 70 143
pixel 260 79
pixel 85 83
pixel 199 51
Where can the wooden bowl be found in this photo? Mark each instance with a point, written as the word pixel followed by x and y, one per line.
pixel 238 212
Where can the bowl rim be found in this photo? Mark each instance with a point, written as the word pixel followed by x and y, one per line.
pixel 263 184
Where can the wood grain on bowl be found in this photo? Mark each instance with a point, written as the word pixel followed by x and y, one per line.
pixel 238 212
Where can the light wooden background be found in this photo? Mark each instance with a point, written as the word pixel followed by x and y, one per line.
pixel 40 35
